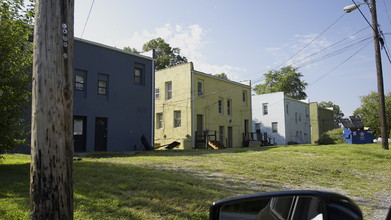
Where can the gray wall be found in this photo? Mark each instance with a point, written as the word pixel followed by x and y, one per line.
pixel 127 106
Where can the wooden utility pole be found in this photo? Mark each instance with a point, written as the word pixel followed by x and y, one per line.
pixel 380 84
pixel 51 191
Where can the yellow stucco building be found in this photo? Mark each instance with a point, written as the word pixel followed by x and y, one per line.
pixel 190 105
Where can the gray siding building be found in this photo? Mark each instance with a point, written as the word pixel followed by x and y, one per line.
pixel 113 98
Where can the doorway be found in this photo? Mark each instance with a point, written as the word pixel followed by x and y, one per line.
pixel 79 133
pixel 100 134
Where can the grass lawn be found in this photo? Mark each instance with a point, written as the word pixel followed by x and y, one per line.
pixel 182 184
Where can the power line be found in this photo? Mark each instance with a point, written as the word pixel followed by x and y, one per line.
pixel 363 14
pixel 334 53
pixel 340 64
pixel 85 25
pixel 312 40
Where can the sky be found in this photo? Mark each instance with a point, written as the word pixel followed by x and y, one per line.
pixel 333 50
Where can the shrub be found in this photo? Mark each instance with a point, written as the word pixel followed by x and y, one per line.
pixel 331 137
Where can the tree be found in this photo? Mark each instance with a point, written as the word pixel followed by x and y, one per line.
pixel 221 75
pixel 165 55
pixel 133 50
pixel 337 111
pixel 15 69
pixel 369 112
pixel 286 80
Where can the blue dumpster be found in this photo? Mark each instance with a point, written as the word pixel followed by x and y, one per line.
pixel 354 131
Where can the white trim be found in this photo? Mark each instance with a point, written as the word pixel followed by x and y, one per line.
pixel 113 48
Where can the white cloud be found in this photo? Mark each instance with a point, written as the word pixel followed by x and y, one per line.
pixel 301 51
pixel 191 41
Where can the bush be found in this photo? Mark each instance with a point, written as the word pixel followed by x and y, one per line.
pixel 331 137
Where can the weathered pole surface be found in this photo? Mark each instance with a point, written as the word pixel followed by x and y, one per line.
pixel 379 74
pixel 51 191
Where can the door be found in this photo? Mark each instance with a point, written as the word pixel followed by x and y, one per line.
pixel 246 128
pixel 100 134
pixel 199 124
pixel 79 133
pixel 221 134
pixel 229 144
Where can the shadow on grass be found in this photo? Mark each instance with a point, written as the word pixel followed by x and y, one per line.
pixel 193 152
pixel 104 190
pixel 14 191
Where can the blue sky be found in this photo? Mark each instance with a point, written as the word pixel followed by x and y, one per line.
pixel 245 39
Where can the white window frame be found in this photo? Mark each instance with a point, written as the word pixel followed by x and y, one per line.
pixel 168 90
pixel 200 88
pixel 220 106
pixel 157 93
pixel 177 119
pixel 102 87
pixel 79 82
pixel 274 127
pixel 159 120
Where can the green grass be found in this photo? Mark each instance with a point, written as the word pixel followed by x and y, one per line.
pixel 182 184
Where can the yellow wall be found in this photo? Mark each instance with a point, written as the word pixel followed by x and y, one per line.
pixel 206 105
pixel 180 76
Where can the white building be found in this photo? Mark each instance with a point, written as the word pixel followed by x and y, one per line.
pixel 284 119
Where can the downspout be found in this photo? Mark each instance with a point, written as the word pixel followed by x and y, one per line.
pixel 153 99
pixel 251 110
pixel 192 106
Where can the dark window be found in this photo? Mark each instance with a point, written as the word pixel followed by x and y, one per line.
pixel 244 96
pixel 229 106
pixel 265 109
pixel 138 76
pixel 274 127
pixel 220 106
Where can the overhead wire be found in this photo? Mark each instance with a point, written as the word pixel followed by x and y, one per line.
pixel 332 24
pixel 332 45
pixel 88 16
pixel 336 67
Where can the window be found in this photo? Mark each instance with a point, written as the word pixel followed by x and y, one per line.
pixel 299 116
pixel 229 107
pixel 274 127
pixel 102 87
pixel 265 109
pixel 244 96
pixel 200 88
pixel 168 90
pixel 157 93
pixel 78 126
pixel 177 119
pixel 103 80
pixel 79 82
pixel 296 117
pixel 221 134
pixel 138 76
pixel 287 108
pixel 159 120
pixel 220 106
